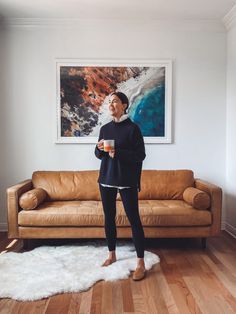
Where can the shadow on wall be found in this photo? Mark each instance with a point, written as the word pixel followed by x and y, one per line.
pixel 230 215
pixel 5 126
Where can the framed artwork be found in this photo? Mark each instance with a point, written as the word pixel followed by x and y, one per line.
pixel 83 89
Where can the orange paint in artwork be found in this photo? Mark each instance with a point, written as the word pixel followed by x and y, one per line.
pixel 100 82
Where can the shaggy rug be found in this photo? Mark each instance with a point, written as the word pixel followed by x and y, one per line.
pixel 49 270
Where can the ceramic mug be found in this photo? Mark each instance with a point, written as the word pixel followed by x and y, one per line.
pixel 108 145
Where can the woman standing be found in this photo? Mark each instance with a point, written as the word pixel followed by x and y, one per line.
pixel 121 170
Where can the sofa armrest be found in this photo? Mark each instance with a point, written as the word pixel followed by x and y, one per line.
pixel 13 194
pixel 215 193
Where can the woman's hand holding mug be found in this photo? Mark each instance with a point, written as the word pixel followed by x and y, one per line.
pixel 100 144
pixel 112 153
pixel 107 147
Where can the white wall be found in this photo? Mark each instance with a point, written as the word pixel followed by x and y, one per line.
pixel 3 107
pixel 231 132
pixel 198 50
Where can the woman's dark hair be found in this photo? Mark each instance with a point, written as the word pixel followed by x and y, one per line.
pixel 123 98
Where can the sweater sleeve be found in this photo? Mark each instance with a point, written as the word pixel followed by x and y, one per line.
pixel 137 153
pixel 99 153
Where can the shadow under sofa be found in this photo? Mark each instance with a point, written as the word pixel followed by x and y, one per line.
pixel 67 204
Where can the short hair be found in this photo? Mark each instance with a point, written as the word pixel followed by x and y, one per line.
pixel 123 98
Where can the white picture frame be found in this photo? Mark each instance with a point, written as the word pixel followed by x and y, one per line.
pixel 150 86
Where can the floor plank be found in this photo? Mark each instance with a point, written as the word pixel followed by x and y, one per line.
pixel 182 295
pixel 85 305
pixel 59 304
pixel 96 302
pixel 75 302
pixel 188 279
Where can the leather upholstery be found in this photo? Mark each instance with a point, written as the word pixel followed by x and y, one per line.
pixel 215 193
pixel 165 184
pixel 13 194
pixel 68 185
pixel 33 198
pixel 197 198
pixel 122 232
pixel 73 206
pixel 82 185
pixel 90 213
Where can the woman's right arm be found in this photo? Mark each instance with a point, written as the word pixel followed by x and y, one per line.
pixel 98 152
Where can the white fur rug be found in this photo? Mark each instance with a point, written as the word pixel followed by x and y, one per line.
pixel 49 270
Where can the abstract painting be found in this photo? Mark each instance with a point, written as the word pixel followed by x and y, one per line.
pixel 83 90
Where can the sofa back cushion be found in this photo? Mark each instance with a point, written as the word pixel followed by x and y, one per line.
pixel 83 185
pixel 68 185
pixel 165 184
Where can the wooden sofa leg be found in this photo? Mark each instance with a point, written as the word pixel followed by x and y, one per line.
pixel 204 243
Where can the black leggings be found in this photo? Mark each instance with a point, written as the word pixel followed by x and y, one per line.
pixel 129 198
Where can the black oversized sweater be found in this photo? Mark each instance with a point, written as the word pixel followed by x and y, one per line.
pixel 125 168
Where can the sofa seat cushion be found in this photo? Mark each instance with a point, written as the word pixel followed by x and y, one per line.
pixel 90 213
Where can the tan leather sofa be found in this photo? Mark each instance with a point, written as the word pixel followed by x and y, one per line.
pixel 68 205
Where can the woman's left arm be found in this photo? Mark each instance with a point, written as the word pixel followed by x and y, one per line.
pixel 137 154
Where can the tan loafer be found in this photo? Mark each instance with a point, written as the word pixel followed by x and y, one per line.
pixel 139 273
pixel 108 262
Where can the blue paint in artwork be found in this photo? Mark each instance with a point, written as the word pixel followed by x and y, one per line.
pixel 149 112
pixel 76 133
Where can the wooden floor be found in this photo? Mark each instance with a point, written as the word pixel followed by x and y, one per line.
pixel 188 279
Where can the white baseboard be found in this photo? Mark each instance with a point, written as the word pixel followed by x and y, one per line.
pixel 229 228
pixel 223 223
pixel 3 226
